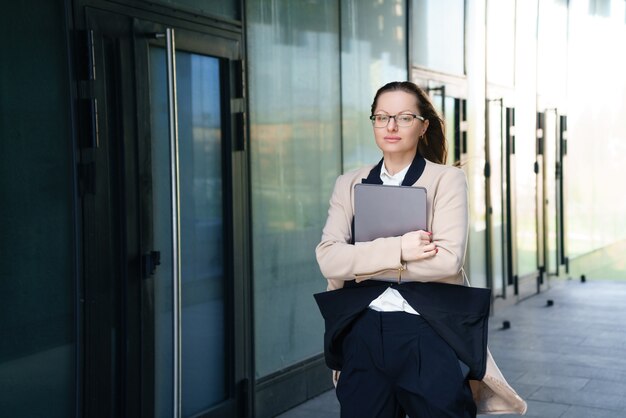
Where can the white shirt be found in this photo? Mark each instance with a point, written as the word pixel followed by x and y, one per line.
pixel 391 300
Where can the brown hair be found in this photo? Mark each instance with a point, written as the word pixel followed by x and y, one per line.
pixel 432 145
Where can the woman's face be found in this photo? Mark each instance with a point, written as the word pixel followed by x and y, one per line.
pixel 399 141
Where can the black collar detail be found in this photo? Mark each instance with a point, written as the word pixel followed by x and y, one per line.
pixel 415 171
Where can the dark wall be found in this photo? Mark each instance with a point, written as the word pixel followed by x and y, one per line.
pixel 37 257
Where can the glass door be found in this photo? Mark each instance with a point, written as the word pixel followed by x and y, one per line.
pixel 188 151
pixel 495 174
pixel 510 207
pixel 540 187
pixel 174 118
pixel 554 150
pixel 561 171
pixel 526 215
pixel 453 111
pixel 198 261
pixel 550 179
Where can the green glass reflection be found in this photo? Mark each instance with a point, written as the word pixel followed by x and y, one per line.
pixel 373 45
pixel 295 158
pixel 37 250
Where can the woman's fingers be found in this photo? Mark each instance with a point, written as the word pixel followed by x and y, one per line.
pixel 425 235
pixel 417 245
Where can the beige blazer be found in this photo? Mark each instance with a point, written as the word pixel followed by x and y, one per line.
pixel 447 207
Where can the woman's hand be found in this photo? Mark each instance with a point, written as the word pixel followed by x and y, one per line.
pixel 417 245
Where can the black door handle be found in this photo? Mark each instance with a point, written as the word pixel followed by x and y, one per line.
pixel 149 263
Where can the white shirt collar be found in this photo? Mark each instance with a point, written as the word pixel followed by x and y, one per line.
pixel 394 180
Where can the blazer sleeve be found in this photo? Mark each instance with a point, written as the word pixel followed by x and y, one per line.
pixel 450 224
pixel 339 260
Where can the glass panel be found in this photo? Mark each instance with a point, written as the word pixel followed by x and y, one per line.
pixel 224 8
pixel 295 158
pixel 445 106
pixel 37 248
pixel 201 226
pixel 161 195
pixel 595 116
pixel 437 46
pixel 451 123
pixel 550 139
pixel 501 42
pixel 496 154
pixel 476 256
pixel 373 45
pixel 526 206
pixel 525 141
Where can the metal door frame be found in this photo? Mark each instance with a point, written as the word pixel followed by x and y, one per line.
pixel 134 395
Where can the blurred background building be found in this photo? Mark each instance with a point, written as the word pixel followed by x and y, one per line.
pixel 166 165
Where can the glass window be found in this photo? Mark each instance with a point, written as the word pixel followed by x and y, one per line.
pixel 373 45
pixel 438 35
pixel 37 258
pixel 295 158
pixel 501 42
pixel 596 132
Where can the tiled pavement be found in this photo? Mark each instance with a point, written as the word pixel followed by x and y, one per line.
pixel 567 360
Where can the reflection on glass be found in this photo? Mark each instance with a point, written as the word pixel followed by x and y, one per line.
pixel 438 39
pixel 202 251
pixel 373 45
pixel 295 158
pixel 38 212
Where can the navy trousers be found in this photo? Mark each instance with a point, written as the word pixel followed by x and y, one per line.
pixel 396 365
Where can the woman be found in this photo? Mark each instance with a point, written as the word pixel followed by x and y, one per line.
pixel 393 362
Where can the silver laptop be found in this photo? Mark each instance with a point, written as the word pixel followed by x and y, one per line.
pixel 388 211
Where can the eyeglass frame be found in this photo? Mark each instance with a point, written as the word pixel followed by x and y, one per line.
pixel 373 119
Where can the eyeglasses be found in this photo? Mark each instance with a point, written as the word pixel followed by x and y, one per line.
pixel 403 120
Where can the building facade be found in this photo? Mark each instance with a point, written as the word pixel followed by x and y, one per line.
pixel 166 167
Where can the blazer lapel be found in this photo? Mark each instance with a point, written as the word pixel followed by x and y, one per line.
pixel 374 176
pixel 415 170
